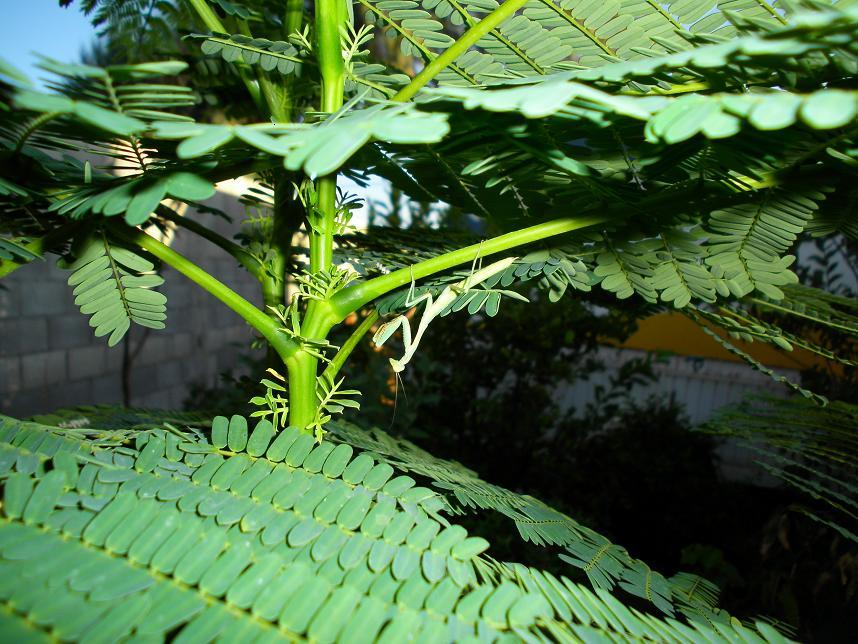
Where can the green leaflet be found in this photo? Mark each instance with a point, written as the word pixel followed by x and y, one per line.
pixel 710 115
pixel 105 113
pixel 269 55
pixel 112 284
pixel 105 564
pixel 10 249
pixel 669 120
pixel 90 114
pixel 318 149
pixel 543 36
pixel 747 249
pixel 606 564
pixel 550 96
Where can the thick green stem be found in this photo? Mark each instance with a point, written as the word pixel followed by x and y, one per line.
pixel 345 351
pixel 293 17
pixel 303 367
pixel 330 17
pixel 41 245
pixel 302 389
pixel 284 345
pixel 462 45
pixel 321 221
pixel 293 20
pixel 351 299
pixel 248 261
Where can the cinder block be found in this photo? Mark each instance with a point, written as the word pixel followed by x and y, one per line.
pixel 107 390
pixel 184 344
pixel 70 330
pixel 87 362
pixel 144 380
pixel 156 350
pixel 10 374
pixel 22 336
pixel 155 400
pixel 10 302
pixel 71 394
pixel 170 375
pixel 43 369
pixel 113 358
pixel 22 404
pixel 33 270
pixel 178 396
pixel 46 297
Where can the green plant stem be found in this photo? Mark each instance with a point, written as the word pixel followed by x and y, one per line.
pixel 330 16
pixel 351 299
pixel 322 224
pixel 287 217
pixel 462 45
pixel 40 245
pixel 293 17
pixel 248 261
pixel 302 368
pixel 213 23
pixel 284 345
pixel 345 351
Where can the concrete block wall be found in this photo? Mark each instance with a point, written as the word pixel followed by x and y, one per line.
pixel 49 357
pixel 701 387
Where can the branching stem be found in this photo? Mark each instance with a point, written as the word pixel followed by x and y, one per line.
pixel 462 45
pixel 250 263
pixel 41 245
pixel 351 299
pixel 345 351
pixel 284 346
pixel 321 216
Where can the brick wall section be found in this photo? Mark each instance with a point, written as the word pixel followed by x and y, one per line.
pixel 49 357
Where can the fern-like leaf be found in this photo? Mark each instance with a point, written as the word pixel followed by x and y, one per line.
pixel 162 535
pixel 113 285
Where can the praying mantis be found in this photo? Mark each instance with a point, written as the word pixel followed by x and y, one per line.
pixel 434 308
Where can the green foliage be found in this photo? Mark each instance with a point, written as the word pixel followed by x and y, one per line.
pixel 274 403
pixel 317 149
pixel 135 30
pixel 113 285
pixel 682 149
pixel 10 249
pixel 810 448
pixel 277 55
pixel 171 536
pixel 605 564
pixel 333 399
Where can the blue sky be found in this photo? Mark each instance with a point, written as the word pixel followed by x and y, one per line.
pixel 42 26
pixel 29 26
